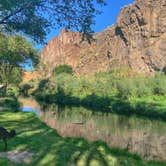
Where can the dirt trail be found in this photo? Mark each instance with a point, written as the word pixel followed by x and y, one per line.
pixel 18 156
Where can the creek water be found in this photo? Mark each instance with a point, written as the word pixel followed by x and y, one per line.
pixel 139 135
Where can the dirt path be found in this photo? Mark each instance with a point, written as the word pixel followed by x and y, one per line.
pixel 18 156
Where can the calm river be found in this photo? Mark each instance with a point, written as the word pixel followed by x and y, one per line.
pixel 139 135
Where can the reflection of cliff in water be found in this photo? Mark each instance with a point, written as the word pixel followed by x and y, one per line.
pixel 144 137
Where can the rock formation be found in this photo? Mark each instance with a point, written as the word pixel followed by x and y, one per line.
pixel 136 41
pixel 29 75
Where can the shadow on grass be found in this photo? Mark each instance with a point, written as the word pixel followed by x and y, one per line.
pixel 113 104
pixel 50 149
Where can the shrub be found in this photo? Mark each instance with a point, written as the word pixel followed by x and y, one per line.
pixel 126 88
pixel 12 91
pixel 158 84
pixel 63 69
pixel 24 88
pixel 103 85
pixel 10 103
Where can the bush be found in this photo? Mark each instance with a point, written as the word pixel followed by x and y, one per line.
pixel 12 91
pixel 24 88
pixel 105 85
pixel 10 103
pixel 63 69
pixel 159 84
pixel 107 92
pixel 126 88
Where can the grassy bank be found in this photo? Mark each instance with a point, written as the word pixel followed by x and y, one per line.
pixel 50 149
pixel 109 92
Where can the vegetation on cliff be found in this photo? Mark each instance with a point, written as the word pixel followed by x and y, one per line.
pixel 63 69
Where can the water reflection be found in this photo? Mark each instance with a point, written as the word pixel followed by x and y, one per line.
pixel 29 105
pixel 145 137
pixel 141 136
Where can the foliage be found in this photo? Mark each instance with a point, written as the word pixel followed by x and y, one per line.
pixel 52 149
pixel 10 75
pixel 15 51
pixel 107 84
pixel 24 88
pixel 159 84
pixel 107 92
pixel 142 86
pixel 63 69
pixel 34 17
pixel 12 91
pixel 10 103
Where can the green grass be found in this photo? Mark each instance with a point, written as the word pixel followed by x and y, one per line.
pixel 51 149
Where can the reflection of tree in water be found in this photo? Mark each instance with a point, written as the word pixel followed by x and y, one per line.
pixel 140 136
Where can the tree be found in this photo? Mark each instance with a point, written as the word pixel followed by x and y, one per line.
pixel 35 17
pixel 8 76
pixel 15 51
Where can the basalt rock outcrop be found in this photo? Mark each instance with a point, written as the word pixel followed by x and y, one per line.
pixel 136 41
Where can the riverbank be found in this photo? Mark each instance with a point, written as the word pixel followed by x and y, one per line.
pixel 107 92
pixel 152 107
pixel 50 149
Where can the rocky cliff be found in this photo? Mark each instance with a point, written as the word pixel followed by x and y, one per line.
pixel 137 41
pixel 29 75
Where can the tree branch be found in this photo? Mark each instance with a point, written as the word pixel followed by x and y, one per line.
pixel 2 21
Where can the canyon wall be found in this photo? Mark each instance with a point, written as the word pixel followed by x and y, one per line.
pixel 137 41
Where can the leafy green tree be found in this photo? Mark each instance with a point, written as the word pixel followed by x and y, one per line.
pixel 34 17
pixel 15 49
pixel 8 76
pixel 14 52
